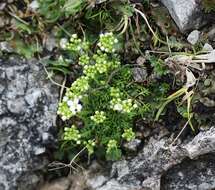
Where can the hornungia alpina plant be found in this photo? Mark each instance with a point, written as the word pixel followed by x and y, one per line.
pixel 104 98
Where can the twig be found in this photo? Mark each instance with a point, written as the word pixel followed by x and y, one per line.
pixel 19 19
pixel 62 88
pixel 59 165
pixel 49 77
pixel 150 28
pixel 179 133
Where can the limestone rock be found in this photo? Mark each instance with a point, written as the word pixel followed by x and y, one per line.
pixel 187 14
pixel 159 166
pixel 193 37
pixel 27 115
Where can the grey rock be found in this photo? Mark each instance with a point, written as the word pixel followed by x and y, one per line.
pixel 211 33
pixel 115 185
pixel 50 43
pixel 63 42
pixel 28 104
pixel 132 145
pixel 140 74
pixel 207 47
pixel 193 37
pixel 191 175
pixel 2 6
pixel 5 46
pixel 97 181
pixel 187 14
pixel 203 143
pixel 188 165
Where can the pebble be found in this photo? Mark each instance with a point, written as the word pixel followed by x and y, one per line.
pixel 193 37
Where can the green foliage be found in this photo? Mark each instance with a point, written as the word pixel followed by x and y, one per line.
pixel 113 152
pixel 209 5
pixel 158 65
pixel 128 134
pixel 53 10
pixel 104 97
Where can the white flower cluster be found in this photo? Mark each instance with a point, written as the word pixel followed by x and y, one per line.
pixel 125 106
pixel 72 133
pixel 99 117
pixel 107 42
pixel 69 107
pixel 94 65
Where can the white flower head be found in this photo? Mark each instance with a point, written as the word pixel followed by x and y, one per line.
pixel 118 107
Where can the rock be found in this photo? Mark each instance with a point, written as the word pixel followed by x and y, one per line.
pixel 59 184
pixel 115 185
pixel 28 106
pixel 97 181
pixel 193 37
pixel 34 5
pixel 186 13
pixel 63 42
pixel 5 47
pixel 203 143
pixel 211 33
pixel 132 145
pixel 159 166
pixel 207 47
pixel 2 6
pixel 140 74
pixel 191 174
pixel 50 43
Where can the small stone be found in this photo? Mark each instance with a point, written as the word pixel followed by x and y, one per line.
pixel 39 150
pixel 2 6
pixel 141 60
pixel 34 5
pixel 140 74
pixel 63 42
pixel 50 43
pixel 193 37
pixel 207 47
pixel 207 82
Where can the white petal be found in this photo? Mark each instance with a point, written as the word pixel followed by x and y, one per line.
pixel 70 103
pixel 79 107
pixel 76 101
pixel 65 98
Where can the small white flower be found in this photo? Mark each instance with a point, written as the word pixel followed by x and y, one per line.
pixel 70 103
pixel 63 118
pixel 65 98
pixel 115 40
pixel 63 43
pixel 118 107
pixel 135 106
pixel 76 101
pixel 74 36
pixel 79 107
